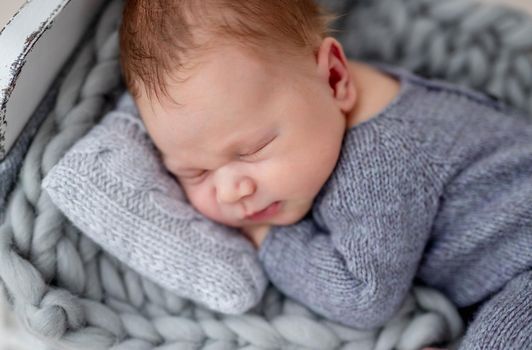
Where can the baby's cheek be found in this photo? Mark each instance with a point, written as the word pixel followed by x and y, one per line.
pixel 204 202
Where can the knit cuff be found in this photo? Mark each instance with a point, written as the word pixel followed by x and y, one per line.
pixel 505 321
pixel 272 252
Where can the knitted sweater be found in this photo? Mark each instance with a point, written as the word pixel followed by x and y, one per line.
pixel 438 186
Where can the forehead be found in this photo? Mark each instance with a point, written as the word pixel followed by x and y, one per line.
pixel 226 83
pixel 230 93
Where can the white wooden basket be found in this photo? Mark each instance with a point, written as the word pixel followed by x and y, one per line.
pixel 34 46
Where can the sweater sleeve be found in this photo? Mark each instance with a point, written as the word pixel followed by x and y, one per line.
pixel 504 321
pixel 356 264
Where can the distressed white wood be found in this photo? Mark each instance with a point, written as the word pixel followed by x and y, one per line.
pixel 8 8
pixel 34 45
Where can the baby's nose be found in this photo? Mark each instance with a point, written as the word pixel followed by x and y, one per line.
pixel 233 191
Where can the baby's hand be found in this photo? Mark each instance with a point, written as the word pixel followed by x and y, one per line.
pixel 256 234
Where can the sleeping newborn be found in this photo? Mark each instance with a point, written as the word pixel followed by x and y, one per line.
pixel 252 143
pixel 351 179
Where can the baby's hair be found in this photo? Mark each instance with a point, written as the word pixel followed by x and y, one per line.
pixel 158 37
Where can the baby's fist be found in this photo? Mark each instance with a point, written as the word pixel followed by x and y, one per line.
pixel 256 234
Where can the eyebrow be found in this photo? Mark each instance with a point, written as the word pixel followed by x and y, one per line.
pixel 265 137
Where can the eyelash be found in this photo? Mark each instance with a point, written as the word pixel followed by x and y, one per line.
pixel 199 175
pixel 255 152
pixel 240 156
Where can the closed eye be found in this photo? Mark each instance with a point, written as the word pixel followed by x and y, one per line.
pixel 199 174
pixel 190 176
pixel 254 153
pixel 247 156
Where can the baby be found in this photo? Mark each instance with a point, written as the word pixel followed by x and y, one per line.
pixel 351 179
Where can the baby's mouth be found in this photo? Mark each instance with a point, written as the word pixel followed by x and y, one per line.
pixel 265 213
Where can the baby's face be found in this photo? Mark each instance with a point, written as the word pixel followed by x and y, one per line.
pixel 248 134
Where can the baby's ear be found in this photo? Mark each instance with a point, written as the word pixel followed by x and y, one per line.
pixel 333 69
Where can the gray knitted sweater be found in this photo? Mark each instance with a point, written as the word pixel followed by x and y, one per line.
pixel 438 187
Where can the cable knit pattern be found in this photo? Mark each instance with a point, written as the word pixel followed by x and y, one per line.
pixel 437 186
pixel 139 213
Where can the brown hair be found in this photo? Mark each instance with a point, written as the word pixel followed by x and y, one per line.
pixel 157 35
